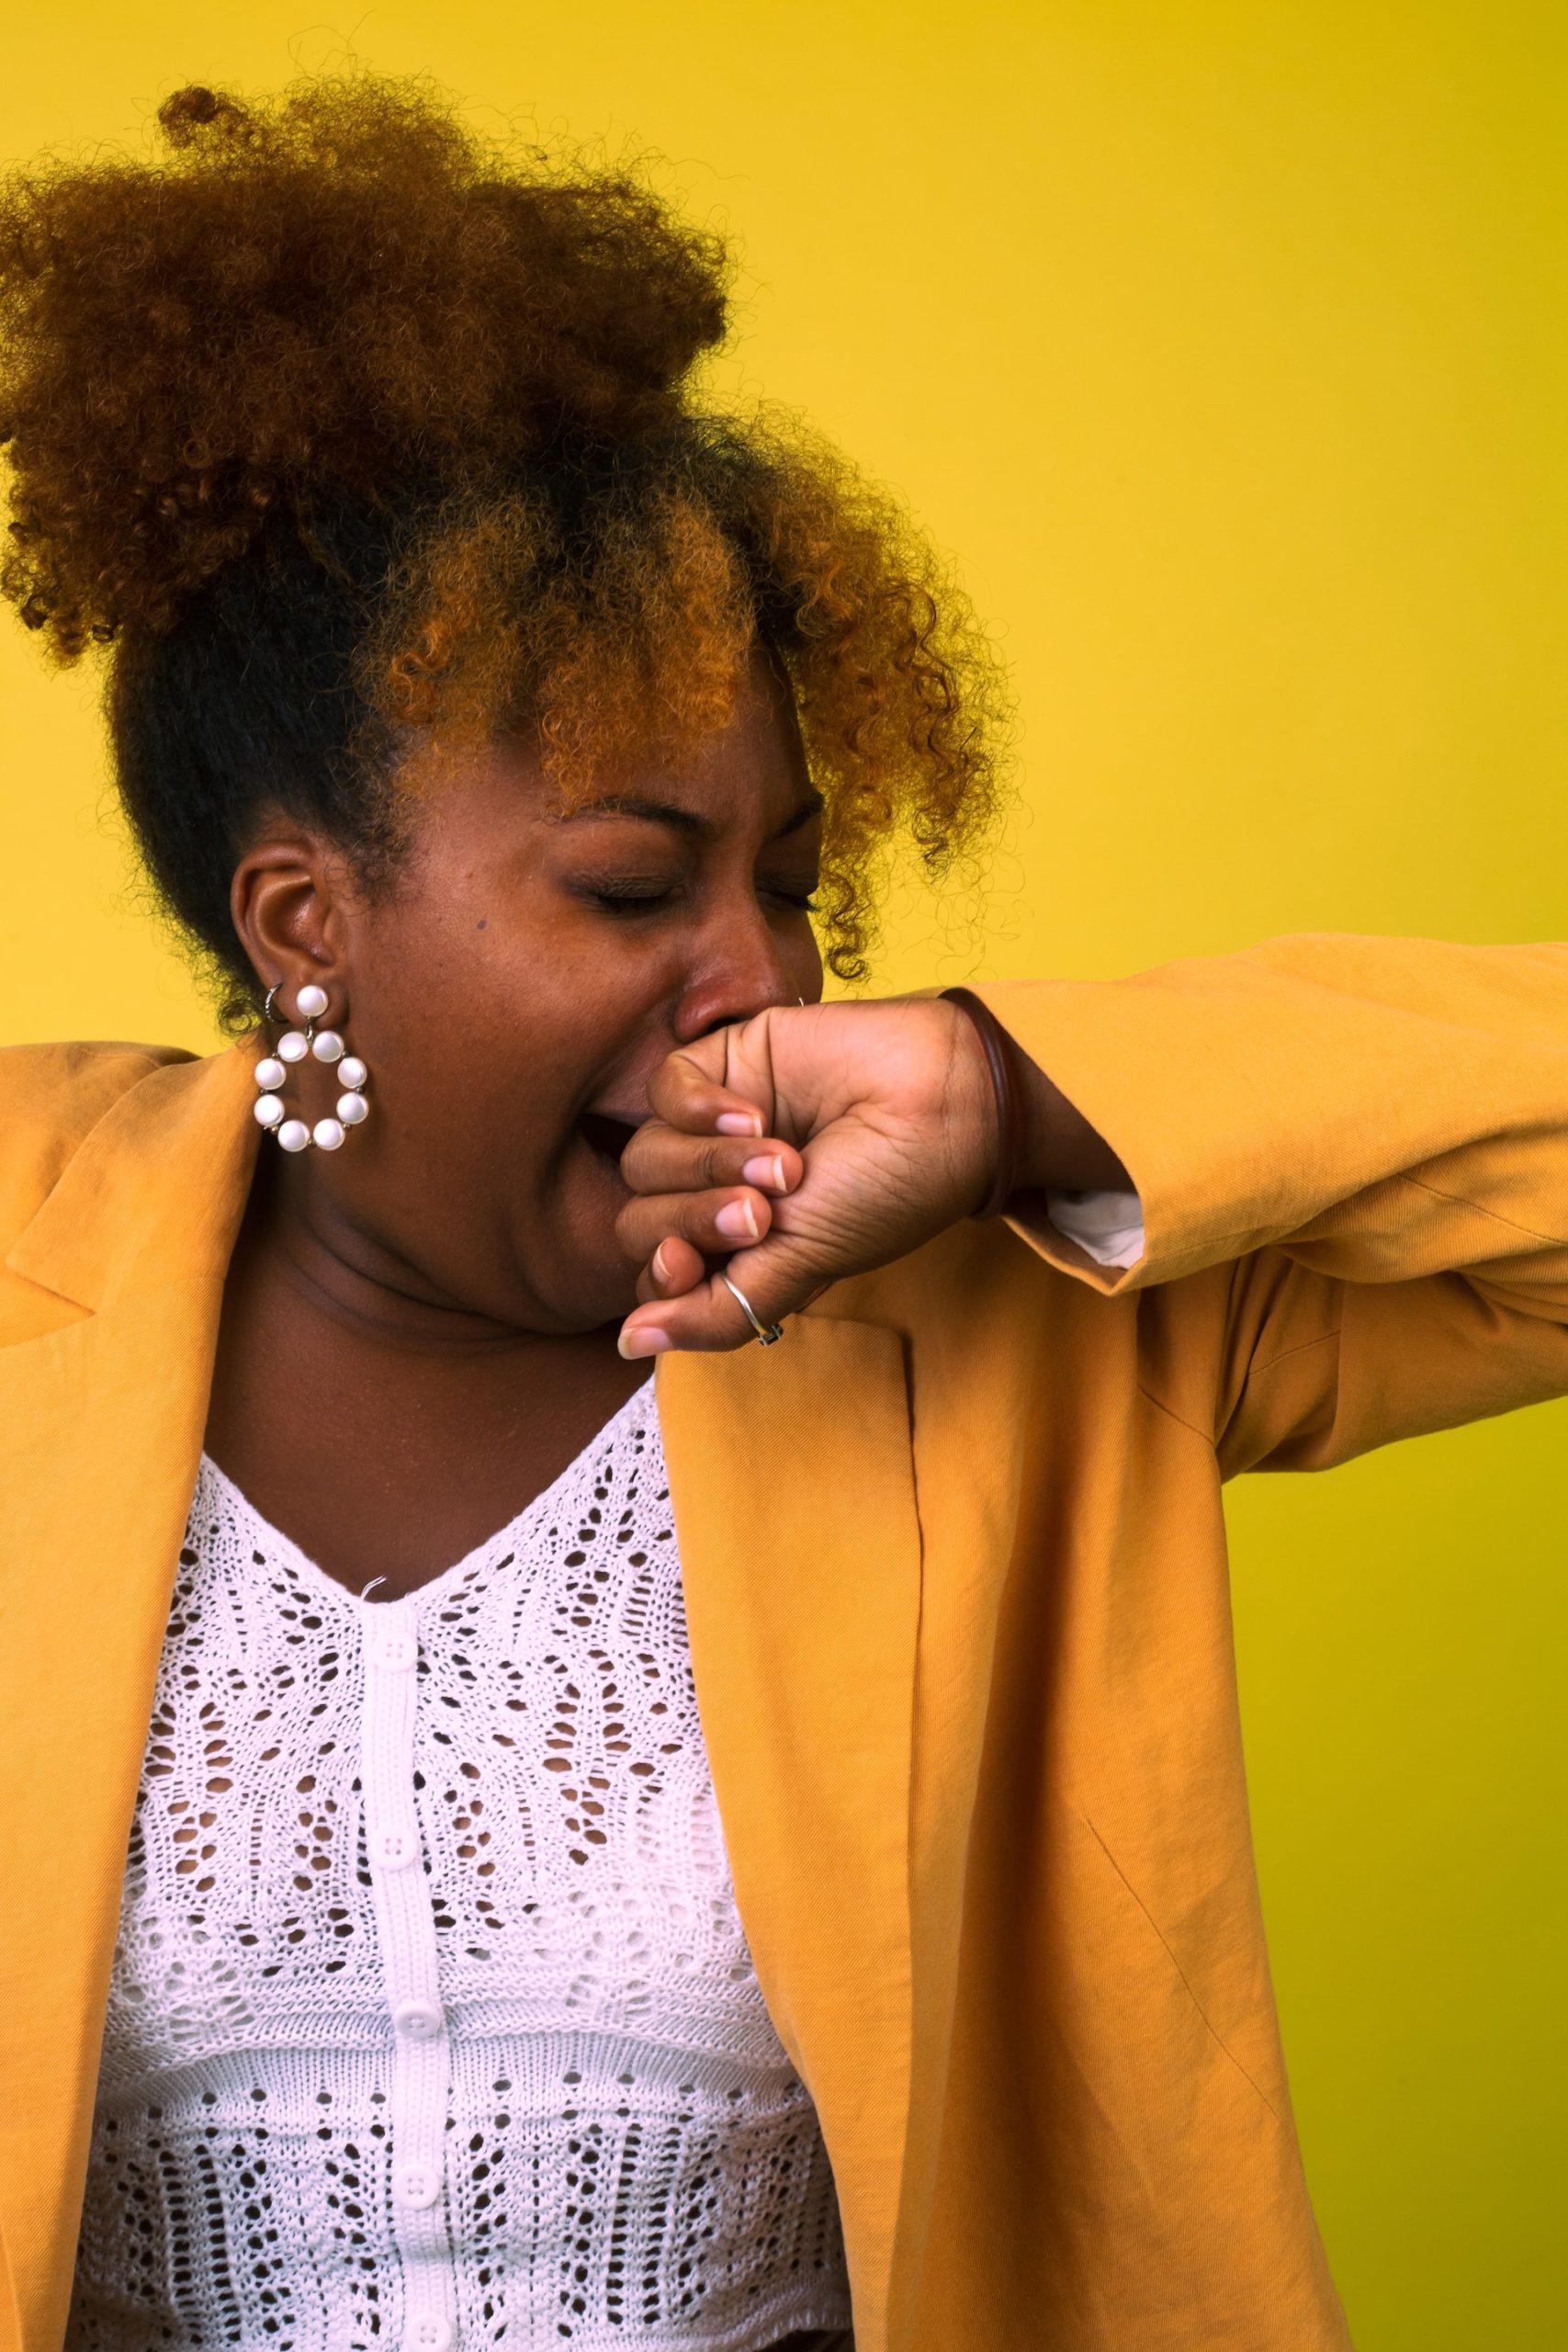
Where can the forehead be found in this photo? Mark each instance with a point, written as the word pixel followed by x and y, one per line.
pixel 748 782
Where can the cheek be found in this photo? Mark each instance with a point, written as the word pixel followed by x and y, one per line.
pixel 491 1039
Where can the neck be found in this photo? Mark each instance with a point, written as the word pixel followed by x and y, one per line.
pixel 342 1268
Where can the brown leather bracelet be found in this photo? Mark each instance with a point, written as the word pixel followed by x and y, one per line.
pixel 998 1049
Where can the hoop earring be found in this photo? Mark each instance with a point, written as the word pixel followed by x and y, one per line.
pixel 325 1046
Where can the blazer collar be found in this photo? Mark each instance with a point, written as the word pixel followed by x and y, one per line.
pixel 155 1193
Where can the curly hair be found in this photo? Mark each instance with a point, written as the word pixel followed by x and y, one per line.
pixel 351 436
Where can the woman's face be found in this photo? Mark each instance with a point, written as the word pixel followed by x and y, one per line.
pixel 514 988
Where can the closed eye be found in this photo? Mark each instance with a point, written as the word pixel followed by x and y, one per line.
pixel 620 894
pixel 640 898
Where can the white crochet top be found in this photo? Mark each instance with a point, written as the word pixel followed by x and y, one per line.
pixel 432 2022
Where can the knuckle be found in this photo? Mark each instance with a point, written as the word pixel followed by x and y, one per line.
pixel 695 1221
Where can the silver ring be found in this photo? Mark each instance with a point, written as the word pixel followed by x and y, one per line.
pixel 766 1333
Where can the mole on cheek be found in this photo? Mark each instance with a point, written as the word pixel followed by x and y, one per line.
pixel 482 924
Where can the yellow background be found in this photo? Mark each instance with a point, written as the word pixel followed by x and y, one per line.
pixel 1226 348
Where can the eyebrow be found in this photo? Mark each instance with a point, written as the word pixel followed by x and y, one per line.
pixel 686 822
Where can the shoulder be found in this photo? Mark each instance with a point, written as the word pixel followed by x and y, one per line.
pixel 52 1097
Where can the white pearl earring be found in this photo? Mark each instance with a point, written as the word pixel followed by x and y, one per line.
pixel 326 1045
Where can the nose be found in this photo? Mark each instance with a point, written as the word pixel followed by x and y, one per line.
pixel 739 970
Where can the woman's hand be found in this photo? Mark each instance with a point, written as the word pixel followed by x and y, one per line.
pixel 804 1144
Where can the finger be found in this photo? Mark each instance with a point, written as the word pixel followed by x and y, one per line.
pixel 689 1091
pixel 676 1267
pixel 777 1277
pixel 714 1222
pixel 661 1158
pixel 708 1319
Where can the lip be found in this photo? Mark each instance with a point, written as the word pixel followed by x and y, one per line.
pixel 607 1131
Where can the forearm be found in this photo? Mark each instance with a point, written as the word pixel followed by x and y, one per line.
pixel 1393 1107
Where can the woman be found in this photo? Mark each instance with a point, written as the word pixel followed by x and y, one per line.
pixel 490 715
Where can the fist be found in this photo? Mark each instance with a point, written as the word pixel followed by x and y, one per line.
pixel 807 1143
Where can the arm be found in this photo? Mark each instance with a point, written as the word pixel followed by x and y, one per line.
pixel 1352 1157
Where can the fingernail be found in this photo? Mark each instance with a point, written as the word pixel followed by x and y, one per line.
pixel 739 1122
pixel 659 1268
pixel 738 1220
pixel 767 1174
pixel 647 1339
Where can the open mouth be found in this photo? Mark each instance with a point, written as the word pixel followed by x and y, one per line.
pixel 606 1138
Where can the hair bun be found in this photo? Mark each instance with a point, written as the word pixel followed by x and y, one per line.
pixel 343 290
pixel 185 112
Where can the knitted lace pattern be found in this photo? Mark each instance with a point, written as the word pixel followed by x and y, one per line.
pixel 432 2020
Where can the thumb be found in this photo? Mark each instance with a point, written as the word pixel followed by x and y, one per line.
pixel 712 1087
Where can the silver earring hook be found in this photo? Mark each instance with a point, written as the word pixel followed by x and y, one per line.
pixel 309 1020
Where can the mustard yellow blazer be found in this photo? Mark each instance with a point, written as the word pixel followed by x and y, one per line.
pixel 956 1579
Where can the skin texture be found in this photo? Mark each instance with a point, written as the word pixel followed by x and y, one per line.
pixel 593 1079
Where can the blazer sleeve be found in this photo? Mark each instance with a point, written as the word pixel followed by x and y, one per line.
pixel 1352 1158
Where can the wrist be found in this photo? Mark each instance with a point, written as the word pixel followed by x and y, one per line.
pixel 1000 1061
pixel 1043 1142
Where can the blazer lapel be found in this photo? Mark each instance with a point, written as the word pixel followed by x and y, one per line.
pixel 792 1482
pixel 101 1423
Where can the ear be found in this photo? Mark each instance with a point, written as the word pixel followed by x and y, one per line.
pixel 289 900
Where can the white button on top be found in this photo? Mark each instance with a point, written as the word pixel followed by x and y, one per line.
pixel 428 2332
pixel 416 2184
pixel 395 1848
pixel 394 1653
pixel 421 2021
